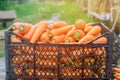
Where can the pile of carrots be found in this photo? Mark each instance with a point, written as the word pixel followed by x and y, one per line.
pixel 116 71
pixel 47 56
pixel 59 32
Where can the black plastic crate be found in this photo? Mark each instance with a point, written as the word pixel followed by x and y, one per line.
pixel 26 61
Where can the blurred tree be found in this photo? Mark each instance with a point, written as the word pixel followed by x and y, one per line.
pixel 3 4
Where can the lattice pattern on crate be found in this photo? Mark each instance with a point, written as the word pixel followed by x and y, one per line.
pixel 58 61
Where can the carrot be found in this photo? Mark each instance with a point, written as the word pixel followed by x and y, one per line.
pixel 30 33
pixel 17 59
pixel 61 30
pixel 58 24
pixel 117 76
pixel 80 24
pixel 98 35
pixel 17 70
pixel 89 24
pixel 95 30
pixel 78 34
pixel 117 69
pixel 58 39
pixel 70 33
pixel 86 39
pixel 69 40
pixel 15 39
pixel 17 32
pixel 29 71
pixel 16 25
pixel 41 27
pixel 92 60
pixel 45 37
pixel 87 29
pixel 101 40
pixel 24 27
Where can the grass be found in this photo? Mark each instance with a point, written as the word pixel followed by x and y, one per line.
pixel 33 12
pixel 2 38
pixel 2 53
pixel 118 62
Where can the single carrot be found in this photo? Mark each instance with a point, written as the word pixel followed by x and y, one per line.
pixel 116 69
pixel 89 24
pixel 45 37
pixel 30 33
pixel 17 32
pixel 58 39
pixel 41 27
pixel 15 39
pixel 24 28
pixel 95 30
pixel 58 24
pixel 86 39
pixel 69 40
pixel 101 40
pixel 78 34
pixel 87 29
pixel 70 33
pixel 61 30
pixel 80 24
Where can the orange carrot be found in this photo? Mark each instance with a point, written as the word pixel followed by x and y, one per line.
pixel 88 28
pixel 17 32
pixel 15 39
pixel 117 76
pixel 89 24
pixel 30 33
pixel 70 33
pixel 95 30
pixel 78 34
pixel 58 24
pixel 69 40
pixel 98 35
pixel 117 69
pixel 41 27
pixel 61 30
pixel 86 39
pixel 17 70
pixel 58 39
pixel 45 37
pixel 80 24
pixel 101 40
pixel 24 27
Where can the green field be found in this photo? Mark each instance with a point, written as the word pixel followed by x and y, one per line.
pixel 33 12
